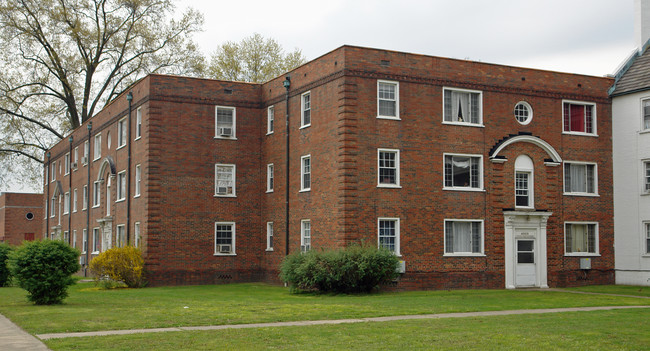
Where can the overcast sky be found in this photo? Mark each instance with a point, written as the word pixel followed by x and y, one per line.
pixel 579 36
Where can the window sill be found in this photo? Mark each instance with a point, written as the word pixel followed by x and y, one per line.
pixel 645 193
pixel 580 134
pixel 120 147
pixel 224 254
pixel 269 250
pixel 269 191
pixel 581 194
pixel 97 159
pixel 225 138
pixel 136 196
pixel 95 206
pixel 389 186
pixel 95 253
pixel 464 124
pixel 83 209
pixel 269 133
pixel 390 117
pixel 137 138
pixel 476 190
pixel 217 195
pixel 305 126
pixel 463 255
pixel 66 174
pixel 304 190
pixel 581 254
pixel 119 200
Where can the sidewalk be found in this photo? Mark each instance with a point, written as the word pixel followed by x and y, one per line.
pixel 12 338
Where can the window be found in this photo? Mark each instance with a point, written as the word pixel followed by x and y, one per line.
pixel 388 234
pixel 120 236
pixel 224 180
pixel 86 153
pixel 138 123
pixel 305 173
pixel 387 168
pixel 97 193
pixel 387 99
pixel 74 239
pixel 121 186
pixel 579 117
pixel 464 172
pixel 67 163
pixel 305 235
pixel 224 238
pixel 121 133
pixel 84 241
pixel 580 178
pixel 97 240
pixel 84 201
pixel 108 140
pixel 53 171
pixel 225 122
pixel 305 110
pixel 463 237
pixel 270 119
pixel 76 158
pixel 66 203
pixel 462 106
pixel 524 182
pixel 646 168
pixel 138 178
pixel 74 200
pixel 647 238
pixel 269 178
pixel 581 239
pixel 66 236
pixel 523 112
pixel 136 233
pixel 97 154
pixel 269 236
pixel 53 207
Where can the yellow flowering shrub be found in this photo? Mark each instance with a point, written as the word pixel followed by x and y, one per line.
pixel 120 264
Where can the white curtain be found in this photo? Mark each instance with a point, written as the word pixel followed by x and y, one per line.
pixel 462 237
pixel 460 103
pixel 578 178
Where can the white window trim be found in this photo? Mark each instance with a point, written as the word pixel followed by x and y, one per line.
pixel 302 109
pixel 84 238
pixel 119 133
pixel 97 200
pixel 644 238
pixel 84 201
pixel 397 174
pixel 137 235
pixel 74 200
pixel 596 245
pixel 302 234
pixel 531 184
pixel 463 254
pixel 594 194
pixel 68 163
pixel 138 123
pixel 398 248
pixel 468 124
pixel 234 123
pixel 138 181
pixel 117 235
pixel 99 231
pixel 66 203
pixel 530 112
pixel 270 232
pixel 302 173
pixel 234 179
pixel 232 251
pixel 97 151
pixel 644 164
pixel 76 158
pixel 270 171
pixel 86 156
pixel 396 84
pixel 595 119
pixel 118 186
pixel 270 109
pixel 462 188
pixel 53 172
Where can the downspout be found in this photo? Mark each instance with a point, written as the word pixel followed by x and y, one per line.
pixel 287 85
pixel 87 199
pixel 71 139
pixel 47 199
pixel 129 98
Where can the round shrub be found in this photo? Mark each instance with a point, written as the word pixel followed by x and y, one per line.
pixel 44 269
pixel 354 269
pixel 119 264
pixel 5 276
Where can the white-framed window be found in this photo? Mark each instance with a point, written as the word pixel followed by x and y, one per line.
pixel 387 99
pixel 121 133
pixel 270 119
pixel 84 241
pixel 580 178
pixel 84 201
pixel 76 158
pixel 523 112
pixel 646 227
pixel 646 176
pixel 524 180
pixel 225 122
pixel 66 203
pixel 97 240
pixel 462 106
pixel 97 148
pixel 388 168
pixel 224 238
pixel 305 235
pixel 74 200
pixel 120 236
pixel 463 172
pixel 581 238
pixel 108 140
pixel 53 172
pixel 463 237
pixel 305 173
pixel 579 117
pixel 136 234
pixel 97 193
pixel 86 153
pixel 269 178
pixel 138 180
pixel 388 234
pixel 66 236
pixel 224 180
pixel 269 236
pixel 74 238
pixel 47 175
pixel 305 110
pixel 121 186
pixel 138 123
pixel 53 207
pixel 66 159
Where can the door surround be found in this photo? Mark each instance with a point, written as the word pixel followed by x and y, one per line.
pixel 536 221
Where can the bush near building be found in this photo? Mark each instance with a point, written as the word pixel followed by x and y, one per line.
pixel 119 264
pixel 5 276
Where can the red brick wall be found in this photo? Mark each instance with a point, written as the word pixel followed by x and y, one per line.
pixel 14 224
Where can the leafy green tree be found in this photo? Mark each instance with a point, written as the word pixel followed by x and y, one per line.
pixel 254 59
pixel 63 60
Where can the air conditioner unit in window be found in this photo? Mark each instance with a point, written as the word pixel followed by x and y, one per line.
pixel 305 248
pixel 225 132
pixel 74 165
pixel 82 260
pixel 224 248
pixel 223 190
pixel 84 160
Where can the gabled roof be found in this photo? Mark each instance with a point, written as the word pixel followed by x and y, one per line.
pixel 634 75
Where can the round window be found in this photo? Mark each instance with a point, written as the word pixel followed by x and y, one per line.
pixel 29 216
pixel 523 112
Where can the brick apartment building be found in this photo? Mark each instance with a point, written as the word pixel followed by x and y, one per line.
pixel 475 174
pixel 21 216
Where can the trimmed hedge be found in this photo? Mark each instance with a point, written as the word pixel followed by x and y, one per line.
pixel 44 269
pixel 5 276
pixel 354 269
pixel 119 264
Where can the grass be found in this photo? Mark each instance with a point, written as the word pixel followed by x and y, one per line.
pixel 598 330
pixel 90 309
pixel 616 289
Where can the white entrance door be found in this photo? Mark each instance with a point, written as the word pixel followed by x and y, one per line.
pixel 526 267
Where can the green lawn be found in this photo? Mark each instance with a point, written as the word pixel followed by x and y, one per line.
pixel 598 330
pixel 616 289
pixel 89 309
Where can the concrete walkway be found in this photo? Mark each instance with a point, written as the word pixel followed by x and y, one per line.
pixel 335 321
pixel 12 338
